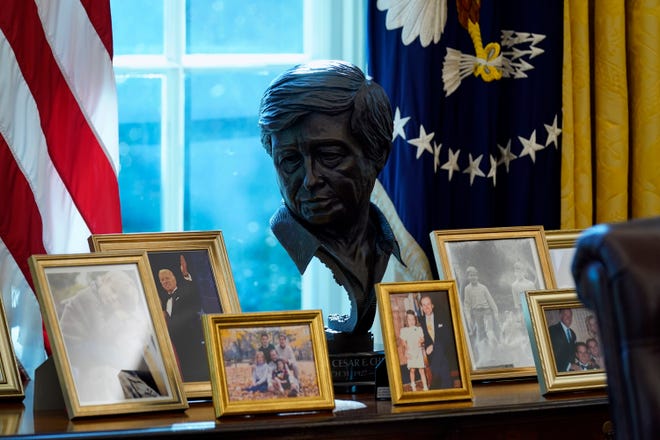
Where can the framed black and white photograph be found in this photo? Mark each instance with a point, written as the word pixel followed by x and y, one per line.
pixel 269 362
pixel 492 267
pixel 566 341
pixel 193 277
pixel 425 350
pixel 106 330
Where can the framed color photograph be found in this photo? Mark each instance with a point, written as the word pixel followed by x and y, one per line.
pixel 268 362
pixel 106 330
pixel 193 277
pixel 561 245
pixel 11 386
pixel 492 267
pixel 566 340
pixel 425 351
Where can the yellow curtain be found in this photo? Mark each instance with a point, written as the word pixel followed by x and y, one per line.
pixel 611 120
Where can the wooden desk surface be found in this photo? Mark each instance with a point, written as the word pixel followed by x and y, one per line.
pixel 498 410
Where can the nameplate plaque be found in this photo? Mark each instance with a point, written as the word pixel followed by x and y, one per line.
pixel 354 372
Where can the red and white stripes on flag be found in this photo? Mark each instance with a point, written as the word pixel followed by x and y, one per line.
pixel 59 154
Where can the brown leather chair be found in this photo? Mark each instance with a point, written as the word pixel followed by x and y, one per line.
pixel 617 274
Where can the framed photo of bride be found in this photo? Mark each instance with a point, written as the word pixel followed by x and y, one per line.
pixel 110 349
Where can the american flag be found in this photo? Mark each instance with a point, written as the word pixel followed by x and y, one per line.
pixel 475 88
pixel 58 138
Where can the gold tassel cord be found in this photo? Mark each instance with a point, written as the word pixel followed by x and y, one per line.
pixel 488 58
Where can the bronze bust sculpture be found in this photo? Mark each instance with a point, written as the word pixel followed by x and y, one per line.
pixel 329 132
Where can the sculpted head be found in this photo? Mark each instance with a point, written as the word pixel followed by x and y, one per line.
pixel 328 130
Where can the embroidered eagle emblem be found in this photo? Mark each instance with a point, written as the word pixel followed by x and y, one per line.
pixel 426 20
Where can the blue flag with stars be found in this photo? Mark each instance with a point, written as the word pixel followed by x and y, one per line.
pixel 475 88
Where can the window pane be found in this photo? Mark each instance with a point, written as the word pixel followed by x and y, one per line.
pixel 245 26
pixel 139 104
pixel 137 27
pixel 231 186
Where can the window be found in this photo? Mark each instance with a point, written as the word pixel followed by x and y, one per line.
pixel 190 75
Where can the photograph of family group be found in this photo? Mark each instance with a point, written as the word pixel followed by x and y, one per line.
pixel 568 351
pixel 575 340
pixel 269 362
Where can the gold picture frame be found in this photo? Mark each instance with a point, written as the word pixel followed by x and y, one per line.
pixel 10 420
pixel 561 246
pixel 242 380
pixel 11 385
pixel 543 310
pixel 425 349
pixel 106 330
pixel 210 283
pixel 492 266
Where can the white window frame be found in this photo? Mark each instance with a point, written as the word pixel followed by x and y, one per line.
pixel 333 29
